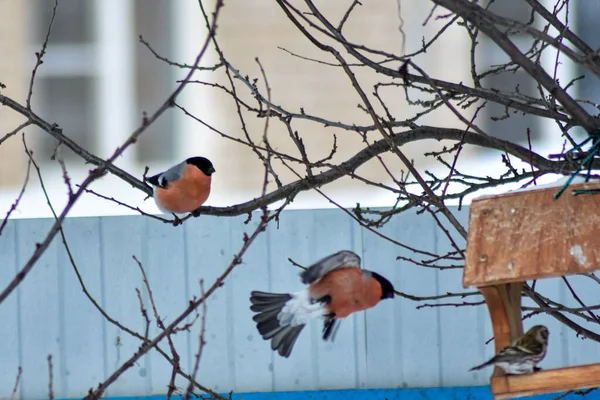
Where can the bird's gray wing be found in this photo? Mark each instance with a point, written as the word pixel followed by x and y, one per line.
pixel 517 353
pixel 520 351
pixel 170 175
pixel 344 258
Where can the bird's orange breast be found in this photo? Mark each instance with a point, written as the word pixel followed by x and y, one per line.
pixel 349 289
pixel 185 194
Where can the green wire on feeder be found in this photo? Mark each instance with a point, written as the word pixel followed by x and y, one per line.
pixel 594 136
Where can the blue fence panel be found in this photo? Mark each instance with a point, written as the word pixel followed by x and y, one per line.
pixel 83 352
pixel 208 251
pixel 394 345
pixel 41 315
pixel 9 311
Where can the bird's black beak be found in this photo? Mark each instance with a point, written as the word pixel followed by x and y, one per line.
pixel 211 171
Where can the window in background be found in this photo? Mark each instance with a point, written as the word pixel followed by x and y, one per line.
pixel 509 124
pixel 586 27
pixel 72 24
pixel 154 78
pixel 68 101
pixel 496 121
pixel 64 88
pixel 97 79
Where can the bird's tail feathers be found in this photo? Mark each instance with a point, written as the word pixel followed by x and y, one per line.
pixel 283 341
pixel 263 301
pixel 485 364
pixel 268 306
pixel 330 327
pixel 153 180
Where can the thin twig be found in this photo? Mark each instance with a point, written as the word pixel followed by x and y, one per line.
pixel 347 14
pixel 201 343
pixel 144 313
pixel 50 378
pixel 15 131
pixel 543 302
pixel 480 18
pixel 14 206
pixel 95 394
pixel 463 304
pixel 39 56
pixel 13 394
pixel 137 209
pixel 435 200
pixel 295 264
pixel 58 156
pixel 578 299
pixel 160 324
pixel 98 172
pixel 436 297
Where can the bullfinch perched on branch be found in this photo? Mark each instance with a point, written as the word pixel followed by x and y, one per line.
pixel 337 288
pixel 184 187
pixel 523 355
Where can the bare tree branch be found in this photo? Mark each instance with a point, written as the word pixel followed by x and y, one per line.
pixel 13 394
pixel 39 56
pixel 50 378
pixel 14 206
pixel 476 15
pixel 101 170
pixel 476 104
pixel 97 393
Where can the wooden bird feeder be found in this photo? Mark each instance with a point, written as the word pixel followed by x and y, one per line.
pixel 527 235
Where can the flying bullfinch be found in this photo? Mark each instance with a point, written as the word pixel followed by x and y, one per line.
pixel 184 187
pixel 337 288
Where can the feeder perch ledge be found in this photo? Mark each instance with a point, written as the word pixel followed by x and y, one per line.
pixel 525 235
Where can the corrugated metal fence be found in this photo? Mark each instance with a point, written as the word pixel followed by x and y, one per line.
pixel 393 345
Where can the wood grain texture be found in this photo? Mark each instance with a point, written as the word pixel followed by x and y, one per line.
pixel 546 381
pixel 498 315
pixel 529 235
pixel 504 305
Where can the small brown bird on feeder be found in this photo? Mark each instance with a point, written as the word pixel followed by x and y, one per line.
pixel 523 355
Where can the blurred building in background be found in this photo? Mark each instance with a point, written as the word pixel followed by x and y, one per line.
pixel 98 80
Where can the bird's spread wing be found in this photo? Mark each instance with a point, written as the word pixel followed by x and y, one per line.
pixel 517 352
pixel 528 345
pixel 319 269
pixel 531 349
pixel 330 327
pixel 170 175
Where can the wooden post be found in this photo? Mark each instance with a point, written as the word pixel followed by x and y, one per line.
pixel 504 305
